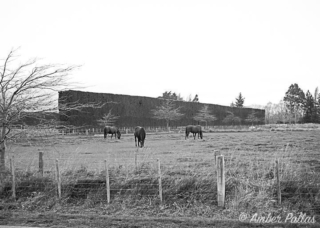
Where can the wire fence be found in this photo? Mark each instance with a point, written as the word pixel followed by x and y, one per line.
pixel 142 175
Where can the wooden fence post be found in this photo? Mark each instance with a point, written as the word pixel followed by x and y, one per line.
pixel 160 180
pixel 220 180
pixel 58 179
pixel 216 154
pixel 13 177
pixel 106 167
pixel 278 182
pixel 41 163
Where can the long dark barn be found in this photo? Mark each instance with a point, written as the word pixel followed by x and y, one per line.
pixel 136 110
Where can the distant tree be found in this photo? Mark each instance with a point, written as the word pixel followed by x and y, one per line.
pixel 189 98
pixel 239 101
pixel 232 104
pixel 252 118
pixel 171 96
pixel 204 115
pixel 167 112
pixel 29 90
pixel 231 119
pixel 316 98
pixel 196 98
pixel 276 113
pixel 294 100
pixel 269 113
pixel 108 119
pixel 310 115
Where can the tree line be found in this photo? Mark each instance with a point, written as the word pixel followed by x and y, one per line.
pixel 295 107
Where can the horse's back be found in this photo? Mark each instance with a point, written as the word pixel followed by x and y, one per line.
pixel 139 131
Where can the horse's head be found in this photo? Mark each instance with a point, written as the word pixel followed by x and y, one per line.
pixel 118 134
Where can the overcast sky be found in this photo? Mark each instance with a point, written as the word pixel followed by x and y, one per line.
pixel 215 49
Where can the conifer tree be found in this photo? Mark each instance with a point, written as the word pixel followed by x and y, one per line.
pixel 294 100
pixel 239 101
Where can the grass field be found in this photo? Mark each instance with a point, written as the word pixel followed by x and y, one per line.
pixel 189 178
pixel 172 149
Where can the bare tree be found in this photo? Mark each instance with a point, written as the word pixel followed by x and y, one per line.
pixel 167 112
pixel 108 119
pixel 204 115
pixel 29 90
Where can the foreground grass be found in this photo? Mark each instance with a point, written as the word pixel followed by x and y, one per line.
pixel 250 188
pixel 188 176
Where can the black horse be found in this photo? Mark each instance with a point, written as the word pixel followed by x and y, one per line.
pixel 194 130
pixel 111 130
pixel 139 133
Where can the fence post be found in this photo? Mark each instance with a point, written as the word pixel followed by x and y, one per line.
pixel 216 154
pixel 160 180
pixel 126 130
pixel 41 163
pixel 58 179
pixel 106 167
pixel 278 182
pixel 220 180
pixel 13 177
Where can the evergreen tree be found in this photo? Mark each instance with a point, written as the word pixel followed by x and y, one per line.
pixel 294 100
pixel 310 115
pixel 239 101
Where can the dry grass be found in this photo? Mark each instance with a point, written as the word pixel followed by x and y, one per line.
pixel 188 174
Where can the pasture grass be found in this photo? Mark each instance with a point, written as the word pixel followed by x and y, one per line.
pixel 188 176
pixel 250 187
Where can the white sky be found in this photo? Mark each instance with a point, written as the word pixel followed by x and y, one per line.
pixel 215 49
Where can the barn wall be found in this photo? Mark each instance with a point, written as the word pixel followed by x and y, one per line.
pixel 136 110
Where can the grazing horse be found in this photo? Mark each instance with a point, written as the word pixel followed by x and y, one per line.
pixel 194 130
pixel 111 130
pixel 139 133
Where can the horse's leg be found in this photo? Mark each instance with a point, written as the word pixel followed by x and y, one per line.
pixel 135 140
